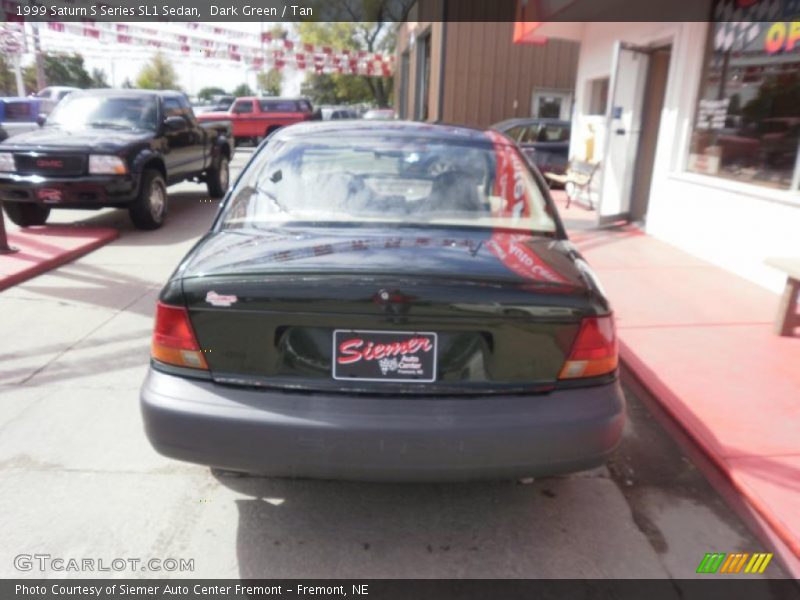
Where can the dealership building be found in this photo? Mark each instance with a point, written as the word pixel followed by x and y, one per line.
pixel 696 127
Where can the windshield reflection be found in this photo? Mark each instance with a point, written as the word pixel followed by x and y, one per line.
pixel 105 112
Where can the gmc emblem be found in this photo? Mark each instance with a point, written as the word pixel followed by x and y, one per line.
pixel 49 163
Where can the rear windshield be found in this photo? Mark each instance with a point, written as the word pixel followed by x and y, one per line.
pixel 22 110
pixel 396 180
pixel 279 106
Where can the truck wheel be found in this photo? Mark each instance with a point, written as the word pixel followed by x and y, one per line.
pixel 218 177
pixel 149 210
pixel 25 214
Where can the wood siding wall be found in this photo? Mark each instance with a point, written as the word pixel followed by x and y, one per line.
pixel 487 78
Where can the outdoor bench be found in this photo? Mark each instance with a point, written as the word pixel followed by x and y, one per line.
pixel 576 180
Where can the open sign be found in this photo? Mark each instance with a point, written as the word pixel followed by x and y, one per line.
pixel 782 37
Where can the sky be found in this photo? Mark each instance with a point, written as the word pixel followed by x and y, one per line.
pixel 124 61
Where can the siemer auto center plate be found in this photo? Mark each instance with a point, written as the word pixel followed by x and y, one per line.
pixel 384 355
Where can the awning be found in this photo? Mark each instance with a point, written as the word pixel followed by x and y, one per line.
pixel 525 32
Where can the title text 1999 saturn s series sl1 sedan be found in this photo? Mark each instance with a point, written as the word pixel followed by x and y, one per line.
pixel 385 301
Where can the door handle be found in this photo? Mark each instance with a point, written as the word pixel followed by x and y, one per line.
pixel 620 132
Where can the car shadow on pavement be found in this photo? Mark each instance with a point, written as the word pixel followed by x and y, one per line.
pixel 309 528
pixel 99 286
pixel 304 528
pixel 64 370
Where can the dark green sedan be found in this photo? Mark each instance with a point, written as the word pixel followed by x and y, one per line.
pixel 385 301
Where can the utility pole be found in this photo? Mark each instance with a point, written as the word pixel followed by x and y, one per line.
pixel 41 80
pixel 12 45
pixel 18 75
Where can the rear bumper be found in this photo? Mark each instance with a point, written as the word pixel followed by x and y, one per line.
pixel 78 192
pixel 335 436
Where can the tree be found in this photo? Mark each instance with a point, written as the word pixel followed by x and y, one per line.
pixel 206 93
pixel 369 25
pixel 270 82
pixel 59 69
pixel 321 89
pixel 8 83
pixel 243 90
pixel 99 79
pixel 336 89
pixel 127 84
pixel 158 74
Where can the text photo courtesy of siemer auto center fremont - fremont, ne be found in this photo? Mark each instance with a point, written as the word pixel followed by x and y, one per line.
pixel 420 299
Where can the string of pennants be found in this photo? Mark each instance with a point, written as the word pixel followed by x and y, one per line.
pixel 212 42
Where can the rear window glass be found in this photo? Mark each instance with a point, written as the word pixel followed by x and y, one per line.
pixel 243 107
pixel 545 133
pixel 279 106
pixel 19 111
pixel 397 180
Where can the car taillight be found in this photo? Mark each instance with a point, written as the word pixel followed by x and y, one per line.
pixel 594 351
pixel 174 341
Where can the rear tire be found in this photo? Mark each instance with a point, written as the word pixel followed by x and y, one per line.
pixel 25 214
pixel 218 177
pixel 149 210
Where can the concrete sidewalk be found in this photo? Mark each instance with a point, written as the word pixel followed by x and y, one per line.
pixel 701 339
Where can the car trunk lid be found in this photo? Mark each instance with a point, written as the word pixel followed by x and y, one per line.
pixel 503 308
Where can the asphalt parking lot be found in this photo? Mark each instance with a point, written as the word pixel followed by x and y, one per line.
pixel 79 480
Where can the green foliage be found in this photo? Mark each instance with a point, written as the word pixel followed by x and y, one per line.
pixel 243 90
pixel 99 79
pixel 59 69
pixel 8 83
pixel 270 82
pixel 158 74
pixel 278 31
pixel 336 89
pixel 207 92
pixel 377 34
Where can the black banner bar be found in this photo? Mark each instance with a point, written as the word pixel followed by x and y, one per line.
pixel 395 10
pixel 709 588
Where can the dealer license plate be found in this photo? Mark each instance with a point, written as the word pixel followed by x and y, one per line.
pixel 49 195
pixel 384 355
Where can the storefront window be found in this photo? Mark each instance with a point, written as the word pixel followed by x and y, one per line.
pixel 747 125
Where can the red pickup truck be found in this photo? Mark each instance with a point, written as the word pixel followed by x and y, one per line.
pixel 253 118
